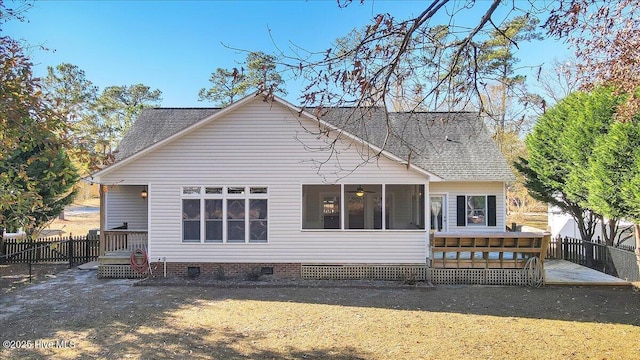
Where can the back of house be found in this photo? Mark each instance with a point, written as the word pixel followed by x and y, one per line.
pixel 266 185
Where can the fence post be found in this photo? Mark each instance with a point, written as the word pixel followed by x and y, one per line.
pixel 557 247
pixel 70 251
pixel 87 249
pixel 565 248
pixel 38 251
pixel 3 246
pixel 588 253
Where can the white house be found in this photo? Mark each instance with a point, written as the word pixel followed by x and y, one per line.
pixel 564 225
pixel 264 184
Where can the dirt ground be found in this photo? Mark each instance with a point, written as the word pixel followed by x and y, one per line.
pixel 14 276
pixel 75 315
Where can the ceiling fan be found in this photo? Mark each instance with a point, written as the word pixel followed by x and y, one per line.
pixel 359 192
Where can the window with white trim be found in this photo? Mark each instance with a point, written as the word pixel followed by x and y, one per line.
pixel 225 214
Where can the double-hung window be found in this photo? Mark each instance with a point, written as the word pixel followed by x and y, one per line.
pixel 225 214
pixel 476 210
pixel 213 211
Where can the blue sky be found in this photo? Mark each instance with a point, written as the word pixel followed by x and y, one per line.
pixel 175 45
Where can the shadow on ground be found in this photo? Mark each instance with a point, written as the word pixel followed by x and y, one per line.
pixel 113 319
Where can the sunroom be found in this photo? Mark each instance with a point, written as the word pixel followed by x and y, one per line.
pixel 363 207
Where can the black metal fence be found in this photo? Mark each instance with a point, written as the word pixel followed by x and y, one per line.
pixel 74 250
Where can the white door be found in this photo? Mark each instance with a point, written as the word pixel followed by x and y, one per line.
pixel 438 212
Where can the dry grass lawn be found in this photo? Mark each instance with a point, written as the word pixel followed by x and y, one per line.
pixel 78 224
pixel 73 315
pixel 110 319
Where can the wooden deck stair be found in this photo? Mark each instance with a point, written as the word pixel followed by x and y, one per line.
pixel 115 261
pixel 487 258
pixel 115 258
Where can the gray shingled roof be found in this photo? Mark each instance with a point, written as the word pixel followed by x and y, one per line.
pixel 454 146
pixel 157 124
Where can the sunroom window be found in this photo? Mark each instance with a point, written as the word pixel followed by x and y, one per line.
pixel 363 207
pixel 321 207
pixel 405 207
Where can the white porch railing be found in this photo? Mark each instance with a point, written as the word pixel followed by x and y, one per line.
pixel 125 240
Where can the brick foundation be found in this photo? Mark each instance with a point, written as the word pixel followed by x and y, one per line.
pixel 230 270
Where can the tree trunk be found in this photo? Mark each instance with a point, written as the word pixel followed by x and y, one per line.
pixel 579 215
pixel 609 231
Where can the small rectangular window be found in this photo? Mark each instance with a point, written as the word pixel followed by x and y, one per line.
pixel 235 190
pixel 191 190
pixel 258 190
pixel 213 190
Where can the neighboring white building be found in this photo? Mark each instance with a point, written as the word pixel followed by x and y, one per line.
pixel 563 224
pixel 257 184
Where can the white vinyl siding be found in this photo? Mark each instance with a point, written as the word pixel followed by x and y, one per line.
pixel 455 189
pixel 124 204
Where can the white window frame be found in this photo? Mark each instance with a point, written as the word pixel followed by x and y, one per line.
pixel 247 196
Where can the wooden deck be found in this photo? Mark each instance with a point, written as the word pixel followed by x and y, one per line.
pixel 123 240
pixel 504 250
pixel 561 272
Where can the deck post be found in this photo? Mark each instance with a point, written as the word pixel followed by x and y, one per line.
pixel 103 205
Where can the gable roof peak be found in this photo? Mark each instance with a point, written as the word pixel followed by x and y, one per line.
pixel 454 146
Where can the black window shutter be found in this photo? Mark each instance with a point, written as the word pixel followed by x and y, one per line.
pixel 491 210
pixel 461 212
